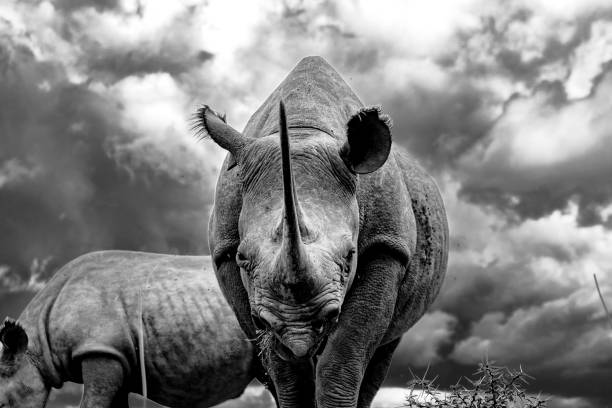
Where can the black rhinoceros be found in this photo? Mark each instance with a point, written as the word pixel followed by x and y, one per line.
pixel 83 327
pixel 330 249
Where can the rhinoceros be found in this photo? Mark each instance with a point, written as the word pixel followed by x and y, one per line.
pixel 83 326
pixel 329 244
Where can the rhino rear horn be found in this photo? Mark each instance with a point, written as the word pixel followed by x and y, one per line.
pixel 207 122
pixel 14 339
pixel 368 140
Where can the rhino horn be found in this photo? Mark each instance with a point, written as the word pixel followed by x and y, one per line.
pixel 293 255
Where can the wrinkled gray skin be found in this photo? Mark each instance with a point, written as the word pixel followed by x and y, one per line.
pixel 344 223
pixel 83 327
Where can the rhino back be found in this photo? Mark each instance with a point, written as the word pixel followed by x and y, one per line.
pixel 195 348
pixel 192 341
pixel 315 96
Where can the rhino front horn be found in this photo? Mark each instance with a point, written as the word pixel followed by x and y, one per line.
pixel 293 254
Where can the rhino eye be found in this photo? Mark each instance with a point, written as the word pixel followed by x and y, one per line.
pixel 349 256
pixel 240 257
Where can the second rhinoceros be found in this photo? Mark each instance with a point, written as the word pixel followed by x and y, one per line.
pixel 83 326
pixel 331 244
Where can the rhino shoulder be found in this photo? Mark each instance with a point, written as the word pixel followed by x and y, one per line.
pixel 428 266
pixel 401 207
pixel 386 217
pixel 426 200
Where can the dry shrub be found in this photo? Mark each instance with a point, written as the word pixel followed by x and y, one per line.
pixel 493 387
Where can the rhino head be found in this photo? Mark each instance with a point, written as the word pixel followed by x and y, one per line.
pixel 21 384
pixel 299 221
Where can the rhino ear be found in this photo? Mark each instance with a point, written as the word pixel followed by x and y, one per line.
pixel 368 140
pixel 207 122
pixel 13 337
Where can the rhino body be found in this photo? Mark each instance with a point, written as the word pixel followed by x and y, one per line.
pixel 196 355
pixel 401 239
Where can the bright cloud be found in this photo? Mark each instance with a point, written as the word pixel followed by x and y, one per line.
pixel 157 110
pixel 545 151
pixel 588 59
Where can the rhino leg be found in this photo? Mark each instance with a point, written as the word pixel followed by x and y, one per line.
pixel 103 380
pixel 376 373
pixel 264 378
pixel 120 400
pixel 365 318
pixel 294 383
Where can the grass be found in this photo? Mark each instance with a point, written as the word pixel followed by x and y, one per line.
pixel 265 342
pixel 141 350
pixel 491 387
pixel 602 301
pixel 141 342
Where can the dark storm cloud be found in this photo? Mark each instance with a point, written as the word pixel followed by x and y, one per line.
pixel 112 65
pixel 443 125
pixel 495 39
pixel 537 192
pixel 74 194
pixel 530 184
pixel 438 125
pixel 522 293
pixel 171 50
pixel 492 287
pixel 72 5
pixel 443 122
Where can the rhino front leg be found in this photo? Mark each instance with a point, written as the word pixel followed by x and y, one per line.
pixel 376 373
pixel 365 318
pixel 294 383
pixel 103 381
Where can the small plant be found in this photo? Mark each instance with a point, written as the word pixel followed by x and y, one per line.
pixel 494 387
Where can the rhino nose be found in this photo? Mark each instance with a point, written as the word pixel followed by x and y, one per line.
pixel 299 348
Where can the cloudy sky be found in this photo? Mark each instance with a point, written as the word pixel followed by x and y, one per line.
pixel 507 103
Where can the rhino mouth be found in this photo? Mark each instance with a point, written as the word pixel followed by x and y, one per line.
pixel 286 354
pixel 269 343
